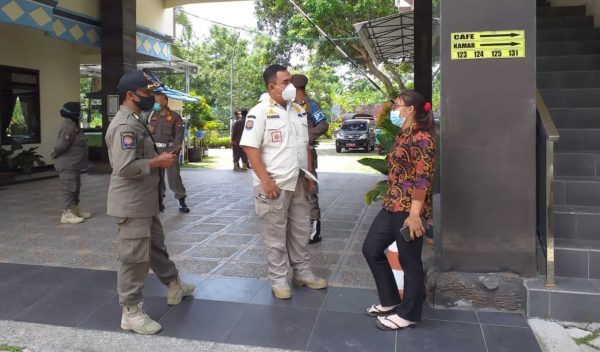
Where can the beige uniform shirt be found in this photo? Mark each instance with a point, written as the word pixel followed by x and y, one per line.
pixel 281 135
pixel 133 190
pixel 166 128
pixel 71 150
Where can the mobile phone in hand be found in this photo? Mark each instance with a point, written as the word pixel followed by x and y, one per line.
pixel 176 150
pixel 405 232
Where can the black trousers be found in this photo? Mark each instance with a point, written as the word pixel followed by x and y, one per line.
pixel 384 230
pixel 238 153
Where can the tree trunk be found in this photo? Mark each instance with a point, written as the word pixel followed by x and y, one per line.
pixel 392 70
pixel 371 67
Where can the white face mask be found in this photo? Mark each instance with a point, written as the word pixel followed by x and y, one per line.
pixel 289 93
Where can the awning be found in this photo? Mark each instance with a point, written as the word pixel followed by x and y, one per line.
pixel 170 93
pixel 388 38
pixel 175 65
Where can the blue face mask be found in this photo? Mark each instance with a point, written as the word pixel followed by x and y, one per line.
pixel 156 107
pixel 396 119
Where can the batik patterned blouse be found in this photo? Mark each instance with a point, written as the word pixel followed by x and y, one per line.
pixel 411 165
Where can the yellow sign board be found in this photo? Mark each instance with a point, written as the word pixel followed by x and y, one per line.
pixel 487 45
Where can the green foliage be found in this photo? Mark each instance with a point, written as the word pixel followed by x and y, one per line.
pixel 219 142
pixel 22 161
pixel 213 126
pixel 8 348
pixel 377 192
pixel 380 165
pixel 199 112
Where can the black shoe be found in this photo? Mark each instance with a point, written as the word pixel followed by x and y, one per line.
pixel 315 232
pixel 182 206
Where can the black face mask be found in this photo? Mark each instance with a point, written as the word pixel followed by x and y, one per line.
pixel 145 103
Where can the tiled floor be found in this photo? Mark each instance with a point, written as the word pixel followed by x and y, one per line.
pixel 219 238
pixel 243 311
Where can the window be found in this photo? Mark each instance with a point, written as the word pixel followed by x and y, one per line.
pixel 19 105
pixel 354 126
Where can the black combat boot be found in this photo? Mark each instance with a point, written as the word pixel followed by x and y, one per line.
pixel 315 231
pixel 182 206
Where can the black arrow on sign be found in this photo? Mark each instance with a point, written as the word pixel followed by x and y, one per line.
pixel 499 35
pixel 500 44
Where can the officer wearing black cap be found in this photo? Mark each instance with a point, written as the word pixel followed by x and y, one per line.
pixel 317 126
pixel 134 200
pixel 70 156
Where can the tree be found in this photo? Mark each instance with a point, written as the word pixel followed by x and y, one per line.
pixel 336 18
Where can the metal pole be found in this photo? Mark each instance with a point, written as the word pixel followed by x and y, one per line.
pixel 187 79
pixel 231 85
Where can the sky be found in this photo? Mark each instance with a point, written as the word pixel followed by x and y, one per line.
pixel 234 13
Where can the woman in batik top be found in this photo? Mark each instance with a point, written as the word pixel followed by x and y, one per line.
pixel 406 208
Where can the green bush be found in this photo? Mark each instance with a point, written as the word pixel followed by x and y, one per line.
pixel 219 142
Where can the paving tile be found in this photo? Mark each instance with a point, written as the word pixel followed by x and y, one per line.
pixel 64 307
pixel 463 316
pixel 212 252
pixel 17 297
pixel 204 228
pixel 436 335
pixel 355 278
pixel 329 244
pixel 278 327
pixel 339 331
pixel 574 307
pixel 12 272
pixel 253 255
pixel 247 270
pixel 229 289
pixel 99 280
pixel 509 339
pixel 351 300
pixel 323 259
pixel 178 237
pixel 108 316
pixel 53 276
pixel 302 297
pixel 230 240
pixel 538 304
pixel 202 320
pixel 196 266
pixel 504 319
pixel 220 220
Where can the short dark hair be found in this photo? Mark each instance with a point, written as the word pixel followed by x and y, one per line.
pixel 271 72
pixel 162 94
pixel 244 112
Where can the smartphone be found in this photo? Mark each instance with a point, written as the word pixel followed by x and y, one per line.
pixel 176 151
pixel 405 231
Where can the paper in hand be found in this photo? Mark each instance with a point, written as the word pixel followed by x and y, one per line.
pixel 309 175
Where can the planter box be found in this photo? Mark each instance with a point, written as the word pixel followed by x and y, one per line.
pixel 195 155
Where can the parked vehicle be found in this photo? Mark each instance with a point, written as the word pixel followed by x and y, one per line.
pixel 355 134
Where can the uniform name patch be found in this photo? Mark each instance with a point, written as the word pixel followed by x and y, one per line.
pixel 127 140
pixel 276 136
pixel 272 116
pixel 250 117
pixel 249 124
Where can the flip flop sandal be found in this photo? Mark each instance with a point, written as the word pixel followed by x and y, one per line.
pixel 395 326
pixel 373 311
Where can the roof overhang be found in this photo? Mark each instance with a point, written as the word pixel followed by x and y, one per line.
pixel 175 65
pixel 388 38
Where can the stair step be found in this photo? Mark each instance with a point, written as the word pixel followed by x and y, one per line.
pixel 561 11
pixel 571 299
pixel 568 63
pixel 568 79
pixel 580 47
pixel 578 223
pixel 569 34
pixel 565 22
pixel 576 118
pixel 571 98
pixel 578 140
pixel 577 258
pixel 577 191
pixel 577 164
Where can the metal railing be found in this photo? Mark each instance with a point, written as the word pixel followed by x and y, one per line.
pixel 546 136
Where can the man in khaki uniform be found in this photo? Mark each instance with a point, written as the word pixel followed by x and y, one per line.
pixel 275 139
pixel 317 126
pixel 167 129
pixel 134 199
pixel 70 156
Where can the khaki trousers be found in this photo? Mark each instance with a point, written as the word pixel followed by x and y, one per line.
pixel 284 226
pixel 141 247
pixel 173 177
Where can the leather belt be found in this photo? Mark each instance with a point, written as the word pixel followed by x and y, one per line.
pixel 164 145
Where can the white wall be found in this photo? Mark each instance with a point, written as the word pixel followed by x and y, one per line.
pixel 152 15
pixel 58 63
pixel 90 8
pixel 592 7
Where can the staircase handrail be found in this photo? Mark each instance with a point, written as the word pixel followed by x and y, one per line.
pixel 552 136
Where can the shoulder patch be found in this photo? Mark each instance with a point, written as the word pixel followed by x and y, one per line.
pixel 127 140
pixel 249 124
pixel 67 136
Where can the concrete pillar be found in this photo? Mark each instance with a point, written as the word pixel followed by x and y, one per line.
pixel 423 13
